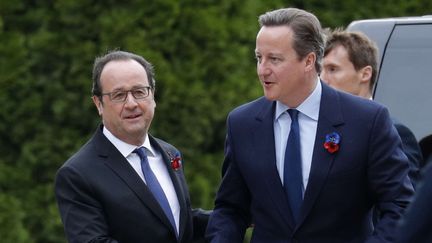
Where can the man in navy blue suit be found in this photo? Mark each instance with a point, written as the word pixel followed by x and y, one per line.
pixel 341 153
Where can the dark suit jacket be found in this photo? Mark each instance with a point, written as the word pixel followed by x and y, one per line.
pixel 369 169
pixel 416 224
pixel 412 150
pixel 102 199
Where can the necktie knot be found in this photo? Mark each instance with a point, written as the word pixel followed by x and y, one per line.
pixel 141 152
pixel 293 114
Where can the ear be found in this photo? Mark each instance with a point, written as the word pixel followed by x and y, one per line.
pixel 310 60
pixel 366 74
pixel 98 104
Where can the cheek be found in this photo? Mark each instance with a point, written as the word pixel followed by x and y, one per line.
pixel 285 72
pixel 325 76
pixel 152 105
pixel 112 114
pixel 339 76
pixel 148 108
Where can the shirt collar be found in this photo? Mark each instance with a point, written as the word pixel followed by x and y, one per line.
pixel 125 148
pixel 309 107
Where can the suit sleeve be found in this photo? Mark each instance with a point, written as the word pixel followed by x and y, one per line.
pixel 412 151
pixel 231 216
pixel 200 219
pixel 81 213
pixel 416 223
pixel 389 183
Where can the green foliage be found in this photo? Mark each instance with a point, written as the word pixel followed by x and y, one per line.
pixel 11 216
pixel 203 51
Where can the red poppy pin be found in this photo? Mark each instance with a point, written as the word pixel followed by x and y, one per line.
pixel 332 142
pixel 176 162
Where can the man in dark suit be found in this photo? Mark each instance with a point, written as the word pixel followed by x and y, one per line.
pixel 415 226
pixel 350 64
pixel 307 163
pixel 124 185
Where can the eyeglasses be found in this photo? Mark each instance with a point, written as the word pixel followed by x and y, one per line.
pixel 120 96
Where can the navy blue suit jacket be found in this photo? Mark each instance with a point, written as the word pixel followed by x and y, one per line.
pixel 102 199
pixel 412 150
pixel 416 224
pixel 369 169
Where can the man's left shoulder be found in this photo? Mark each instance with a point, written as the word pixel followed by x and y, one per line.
pixel 360 104
pixel 165 146
pixel 348 101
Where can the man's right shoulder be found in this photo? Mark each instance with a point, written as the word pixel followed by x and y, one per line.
pixel 81 158
pixel 251 108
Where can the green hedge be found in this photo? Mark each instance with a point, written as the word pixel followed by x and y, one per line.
pixel 203 52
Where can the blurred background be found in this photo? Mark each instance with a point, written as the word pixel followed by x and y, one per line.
pixel 203 52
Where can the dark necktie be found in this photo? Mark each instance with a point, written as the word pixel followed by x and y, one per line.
pixel 154 186
pixel 293 182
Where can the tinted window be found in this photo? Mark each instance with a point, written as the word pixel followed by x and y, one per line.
pixel 405 80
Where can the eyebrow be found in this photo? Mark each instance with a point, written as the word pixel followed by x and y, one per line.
pixel 272 54
pixel 133 87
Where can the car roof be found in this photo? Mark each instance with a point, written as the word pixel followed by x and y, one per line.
pixel 380 29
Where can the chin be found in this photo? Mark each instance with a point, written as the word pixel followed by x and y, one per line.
pixel 270 96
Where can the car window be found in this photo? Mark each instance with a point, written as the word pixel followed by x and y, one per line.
pixel 405 79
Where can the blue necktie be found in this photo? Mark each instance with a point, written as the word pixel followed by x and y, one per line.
pixel 293 182
pixel 154 186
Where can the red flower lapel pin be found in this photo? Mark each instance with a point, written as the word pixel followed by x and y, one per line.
pixel 332 142
pixel 176 161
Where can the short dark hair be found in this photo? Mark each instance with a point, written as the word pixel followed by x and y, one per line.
pixel 308 35
pixel 361 50
pixel 115 55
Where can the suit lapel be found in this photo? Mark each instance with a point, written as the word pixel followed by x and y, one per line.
pixel 264 152
pixel 330 118
pixel 120 166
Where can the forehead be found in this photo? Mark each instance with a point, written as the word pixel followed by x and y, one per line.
pixel 123 72
pixel 338 54
pixel 274 38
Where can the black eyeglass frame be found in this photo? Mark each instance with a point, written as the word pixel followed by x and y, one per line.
pixel 145 89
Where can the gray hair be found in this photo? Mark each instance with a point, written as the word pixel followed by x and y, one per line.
pixel 308 34
pixel 115 55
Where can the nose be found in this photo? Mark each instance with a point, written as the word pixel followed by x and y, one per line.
pixel 130 100
pixel 262 69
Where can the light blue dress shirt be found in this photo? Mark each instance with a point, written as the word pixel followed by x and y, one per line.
pixel 308 123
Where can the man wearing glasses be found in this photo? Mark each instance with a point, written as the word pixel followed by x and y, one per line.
pixel 124 185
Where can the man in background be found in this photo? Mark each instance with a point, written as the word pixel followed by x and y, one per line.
pixel 351 64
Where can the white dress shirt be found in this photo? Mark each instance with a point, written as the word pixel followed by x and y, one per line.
pixel 157 165
pixel 308 123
